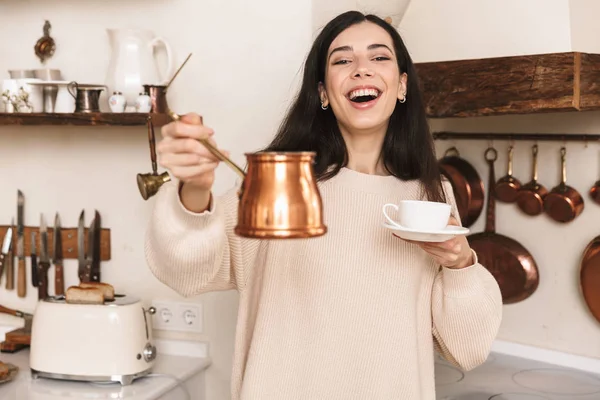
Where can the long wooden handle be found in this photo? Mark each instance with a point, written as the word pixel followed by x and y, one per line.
pixel 21 279
pixel 59 286
pixel 10 271
pixel 6 310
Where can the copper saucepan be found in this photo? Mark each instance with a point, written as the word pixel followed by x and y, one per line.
pixel 563 203
pixel 589 276
pixel 530 197
pixel 466 185
pixel 595 192
pixel 507 187
pixel 279 197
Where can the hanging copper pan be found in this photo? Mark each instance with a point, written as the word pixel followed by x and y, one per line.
pixel 563 203
pixel 508 261
pixel 595 192
pixel 507 187
pixel 466 185
pixel 590 276
pixel 530 198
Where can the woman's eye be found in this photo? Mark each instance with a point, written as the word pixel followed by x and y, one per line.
pixel 382 58
pixel 341 62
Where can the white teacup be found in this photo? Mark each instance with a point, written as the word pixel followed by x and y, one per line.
pixel 419 215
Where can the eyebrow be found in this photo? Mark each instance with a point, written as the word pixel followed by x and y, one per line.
pixel 371 47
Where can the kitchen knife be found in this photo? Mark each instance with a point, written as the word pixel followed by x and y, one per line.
pixel 59 286
pixel 44 261
pixel 34 266
pixel 17 313
pixel 10 266
pixel 5 249
pixel 21 280
pixel 84 270
pixel 94 244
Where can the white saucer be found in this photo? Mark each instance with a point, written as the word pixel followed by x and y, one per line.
pixel 447 233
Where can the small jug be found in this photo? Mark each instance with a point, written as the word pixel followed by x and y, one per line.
pixel 87 97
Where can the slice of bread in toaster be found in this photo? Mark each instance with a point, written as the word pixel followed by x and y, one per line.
pixel 107 290
pixel 79 295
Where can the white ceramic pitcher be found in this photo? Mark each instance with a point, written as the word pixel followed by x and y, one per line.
pixel 132 63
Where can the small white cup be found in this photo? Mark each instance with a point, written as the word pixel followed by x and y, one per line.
pixel 419 215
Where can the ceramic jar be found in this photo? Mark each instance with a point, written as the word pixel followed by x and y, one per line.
pixel 143 103
pixel 117 102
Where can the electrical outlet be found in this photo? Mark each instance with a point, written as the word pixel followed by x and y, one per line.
pixel 173 316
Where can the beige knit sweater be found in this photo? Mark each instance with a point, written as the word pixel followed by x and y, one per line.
pixel 354 314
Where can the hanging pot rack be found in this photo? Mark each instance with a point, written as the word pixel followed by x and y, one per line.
pixel 517 136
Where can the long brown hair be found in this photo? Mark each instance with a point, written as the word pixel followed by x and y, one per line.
pixel 408 149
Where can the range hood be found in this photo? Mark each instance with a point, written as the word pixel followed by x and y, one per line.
pixel 488 57
pixel 325 10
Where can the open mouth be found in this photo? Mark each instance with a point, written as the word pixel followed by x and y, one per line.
pixel 363 95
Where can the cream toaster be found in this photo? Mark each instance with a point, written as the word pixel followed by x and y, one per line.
pixel 109 342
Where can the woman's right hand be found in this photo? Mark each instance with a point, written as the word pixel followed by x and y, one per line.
pixel 184 156
pixel 189 160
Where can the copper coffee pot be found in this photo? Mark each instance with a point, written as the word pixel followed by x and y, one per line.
pixel 148 184
pixel 279 197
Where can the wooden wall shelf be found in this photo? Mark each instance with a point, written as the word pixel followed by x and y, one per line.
pixel 83 119
pixel 69 241
pixel 553 82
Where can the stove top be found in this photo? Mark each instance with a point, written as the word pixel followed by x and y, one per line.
pixel 507 377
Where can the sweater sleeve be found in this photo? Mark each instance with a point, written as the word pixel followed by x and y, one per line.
pixel 194 253
pixel 466 310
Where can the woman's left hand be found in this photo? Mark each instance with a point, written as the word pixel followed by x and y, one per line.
pixel 454 253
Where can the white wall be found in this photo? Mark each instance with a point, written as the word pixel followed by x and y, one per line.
pixel 247 56
pixel 439 30
pixel 246 59
pixel 584 29
pixel 556 316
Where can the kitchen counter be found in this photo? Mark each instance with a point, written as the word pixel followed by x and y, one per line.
pixel 179 368
pixel 518 372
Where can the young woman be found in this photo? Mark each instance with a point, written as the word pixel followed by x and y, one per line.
pixel 358 312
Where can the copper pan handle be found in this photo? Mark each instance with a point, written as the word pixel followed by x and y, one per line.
pixel 510 161
pixel 214 150
pixel 563 165
pixel 535 162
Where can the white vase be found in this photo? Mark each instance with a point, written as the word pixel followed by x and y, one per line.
pixel 133 63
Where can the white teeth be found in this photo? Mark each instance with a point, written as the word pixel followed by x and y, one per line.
pixel 363 92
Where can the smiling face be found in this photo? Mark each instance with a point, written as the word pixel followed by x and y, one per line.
pixel 362 78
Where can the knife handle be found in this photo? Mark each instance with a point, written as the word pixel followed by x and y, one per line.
pixel 10 271
pixel 34 271
pixel 21 278
pixel 59 286
pixel 10 311
pixel 43 280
